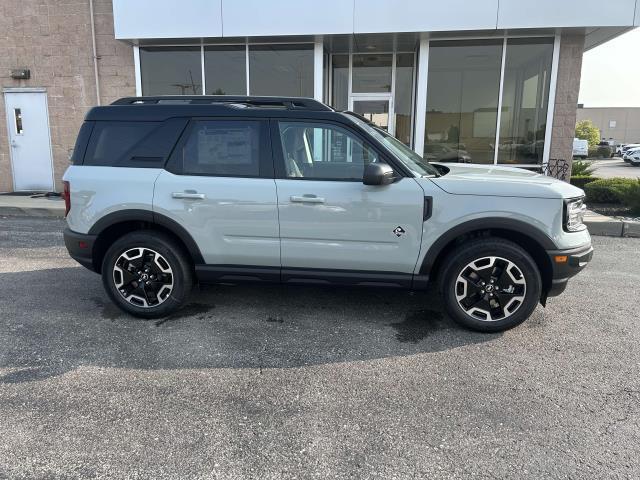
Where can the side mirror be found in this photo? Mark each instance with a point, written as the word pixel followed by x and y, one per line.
pixel 378 174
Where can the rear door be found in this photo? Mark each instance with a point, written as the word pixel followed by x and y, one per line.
pixel 330 220
pixel 219 186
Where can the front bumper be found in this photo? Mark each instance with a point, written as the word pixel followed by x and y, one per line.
pixel 80 247
pixel 566 264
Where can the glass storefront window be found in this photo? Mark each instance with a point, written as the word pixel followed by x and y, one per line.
pixel 462 100
pixel 340 82
pixel 225 69
pixel 371 73
pixel 170 70
pixel 403 97
pixel 285 70
pixel 525 99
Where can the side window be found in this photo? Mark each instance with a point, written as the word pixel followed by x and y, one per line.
pixel 323 152
pixel 223 148
pixel 111 141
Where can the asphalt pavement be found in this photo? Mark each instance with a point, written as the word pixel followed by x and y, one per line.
pixel 273 382
pixel 615 167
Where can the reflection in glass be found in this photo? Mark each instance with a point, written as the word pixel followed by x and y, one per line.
pixel 285 70
pixel 340 82
pixel 524 100
pixel 170 70
pixel 376 111
pixel 225 70
pixel 371 73
pixel 462 100
pixel 403 97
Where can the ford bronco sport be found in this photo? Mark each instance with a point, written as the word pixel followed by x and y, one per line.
pixel 167 191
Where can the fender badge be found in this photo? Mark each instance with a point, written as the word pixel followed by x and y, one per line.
pixel 399 231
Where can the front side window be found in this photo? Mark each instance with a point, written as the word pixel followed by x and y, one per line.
pixel 223 148
pixel 323 152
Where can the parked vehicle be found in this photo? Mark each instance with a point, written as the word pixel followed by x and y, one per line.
pixel 439 152
pixel 634 158
pixel 580 148
pixel 629 153
pixel 628 147
pixel 167 191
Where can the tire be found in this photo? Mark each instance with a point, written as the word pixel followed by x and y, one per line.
pixel 144 258
pixel 471 300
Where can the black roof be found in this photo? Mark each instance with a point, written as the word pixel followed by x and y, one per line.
pixel 163 107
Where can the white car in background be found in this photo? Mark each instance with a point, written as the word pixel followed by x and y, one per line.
pixel 628 149
pixel 580 148
pixel 633 157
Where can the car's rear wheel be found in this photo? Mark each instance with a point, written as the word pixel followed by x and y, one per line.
pixel 147 274
pixel 490 285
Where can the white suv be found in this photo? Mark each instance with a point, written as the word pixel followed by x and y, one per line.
pixel 167 191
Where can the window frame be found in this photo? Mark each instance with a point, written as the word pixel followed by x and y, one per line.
pixel 278 153
pixel 175 163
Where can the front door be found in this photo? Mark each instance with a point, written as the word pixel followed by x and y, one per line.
pixel 29 141
pixel 330 220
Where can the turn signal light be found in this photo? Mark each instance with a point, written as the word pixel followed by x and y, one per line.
pixel 561 258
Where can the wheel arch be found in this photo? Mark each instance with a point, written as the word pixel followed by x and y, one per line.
pixel 533 240
pixel 114 225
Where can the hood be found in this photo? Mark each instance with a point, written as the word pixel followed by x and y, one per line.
pixel 502 182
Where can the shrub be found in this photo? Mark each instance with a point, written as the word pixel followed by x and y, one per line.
pixel 630 195
pixel 607 190
pixel 580 180
pixel 581 169
pixel 600 151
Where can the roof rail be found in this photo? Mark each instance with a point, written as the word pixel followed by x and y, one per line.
pixel 289 103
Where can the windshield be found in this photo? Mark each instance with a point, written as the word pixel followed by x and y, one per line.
pixel 404 154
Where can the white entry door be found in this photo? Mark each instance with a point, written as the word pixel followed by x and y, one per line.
pixel 29 140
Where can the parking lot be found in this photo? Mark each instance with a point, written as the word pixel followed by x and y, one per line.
pixel 271 382
pixel 615 167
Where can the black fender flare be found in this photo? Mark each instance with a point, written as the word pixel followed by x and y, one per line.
pixel 490 223
pixel 151 217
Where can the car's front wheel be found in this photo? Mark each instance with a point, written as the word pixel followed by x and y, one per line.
pixel 490 285
pixel 147 274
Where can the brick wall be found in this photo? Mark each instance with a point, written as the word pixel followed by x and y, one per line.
pixel 567 89
pixel 53 39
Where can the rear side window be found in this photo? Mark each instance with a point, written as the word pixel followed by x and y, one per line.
pixel 133 144
pixel 224 148
pixel 110 141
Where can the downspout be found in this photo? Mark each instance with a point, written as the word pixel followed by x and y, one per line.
pixel 95 52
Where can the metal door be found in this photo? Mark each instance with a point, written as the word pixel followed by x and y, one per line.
pixel 29 139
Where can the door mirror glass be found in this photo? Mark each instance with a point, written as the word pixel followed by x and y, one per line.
pixel 378 174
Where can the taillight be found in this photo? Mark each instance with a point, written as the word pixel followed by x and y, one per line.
pixel 66 194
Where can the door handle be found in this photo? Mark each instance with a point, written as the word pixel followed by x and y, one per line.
pixel 306 199
pixel 188 195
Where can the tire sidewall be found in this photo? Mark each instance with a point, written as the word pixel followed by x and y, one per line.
pixel 182 275
pixel 487 248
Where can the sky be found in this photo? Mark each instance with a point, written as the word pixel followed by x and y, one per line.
pixel 611 73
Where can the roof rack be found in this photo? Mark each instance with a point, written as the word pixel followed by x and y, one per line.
pixel 289 103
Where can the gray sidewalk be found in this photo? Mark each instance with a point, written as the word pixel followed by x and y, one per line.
pixel 31 207
pixel 54 207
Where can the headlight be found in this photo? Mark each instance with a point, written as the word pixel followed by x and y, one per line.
pixel 574 210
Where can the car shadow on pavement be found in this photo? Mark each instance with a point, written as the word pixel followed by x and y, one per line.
pixel 65 320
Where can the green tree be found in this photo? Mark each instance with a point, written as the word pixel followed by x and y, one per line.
pixel 586 130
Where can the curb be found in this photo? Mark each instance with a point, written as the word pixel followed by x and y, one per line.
pixel 613 228
pixel 31 212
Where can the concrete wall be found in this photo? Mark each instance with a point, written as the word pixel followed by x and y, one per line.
pixel 564 115
pixel 627 122
pixel 53 39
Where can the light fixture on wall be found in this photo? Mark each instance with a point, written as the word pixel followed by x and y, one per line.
pixel 21 74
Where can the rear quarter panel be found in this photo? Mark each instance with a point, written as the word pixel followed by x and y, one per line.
pixel 99 191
